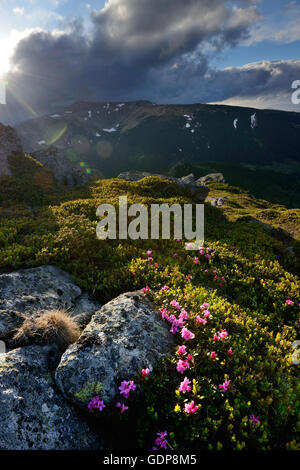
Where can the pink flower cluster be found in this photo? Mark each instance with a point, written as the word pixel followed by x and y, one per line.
pixel 145 372
pixel 191 408
pixel 255 419
pixel 176 323
pixel 187 334
pixel 182 365
pixel 185 385
pixel 122 407
pixel 145 289
pixel 181 350
pixel 96 404
pixel 126 387
pixel 224 386
pixel 220 335
pixel 161 441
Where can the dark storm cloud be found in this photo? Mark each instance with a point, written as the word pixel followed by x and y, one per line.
pixel 138 49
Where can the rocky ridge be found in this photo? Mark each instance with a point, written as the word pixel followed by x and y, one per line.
pixel 38 387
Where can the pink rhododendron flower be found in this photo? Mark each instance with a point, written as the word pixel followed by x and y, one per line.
pixel 196 260
pixel 161 441
pixel 175 304
pixel 96 403
pixel 191 408
pixel 213 355
pixel 220 335
pixel 165 288
pixel 150 258
pixel 186 334
pixel 204 306
pixel 230 352
pixel 224 386
pixel 182 366
pixel 174 329
pixel 289 302
pixel 145 289
pixel 122 406
pixel 201 320
pixel 145 372
pixel 223 334
pixel 149 252
pixel 189 357
pixel 206 271
pixel 201 251
pixel 164 313
pixel 183 315
pixel 185 385
pixel 181 350
pixel 255 419
pixel 126 387
pixel 156 265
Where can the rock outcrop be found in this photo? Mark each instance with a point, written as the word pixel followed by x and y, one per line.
pixel 124 337
pixel 33 414
pixel 64 171
pixel 218 202
pixel 30 291
pixel 211 178
pixel 9 144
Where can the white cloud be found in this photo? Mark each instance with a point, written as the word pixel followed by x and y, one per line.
pixel 280 27
pixel 19 11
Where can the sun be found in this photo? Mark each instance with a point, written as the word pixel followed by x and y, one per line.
pixel 6 51
pixel 7 46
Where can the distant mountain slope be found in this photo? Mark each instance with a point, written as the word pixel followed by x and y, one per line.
pixel 115 137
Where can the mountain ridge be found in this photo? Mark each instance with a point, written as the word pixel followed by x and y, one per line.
pixel 115 137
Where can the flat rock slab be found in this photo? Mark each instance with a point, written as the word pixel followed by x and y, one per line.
pixel 30 291
pixel 33 414
pixel 124 337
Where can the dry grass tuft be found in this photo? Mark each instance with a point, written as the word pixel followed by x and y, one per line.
pixel 54 327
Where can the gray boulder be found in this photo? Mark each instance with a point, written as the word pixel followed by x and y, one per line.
pixel 124 337
pixel 64 171
pixel 218 202
pixel 211 178
pixel 33 414
pixel 186 180
pixel 31 291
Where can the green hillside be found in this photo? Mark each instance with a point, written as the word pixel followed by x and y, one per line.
pixel 279 184
pixel 250 273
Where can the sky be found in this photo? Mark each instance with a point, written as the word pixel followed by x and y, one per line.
pixel 55 52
